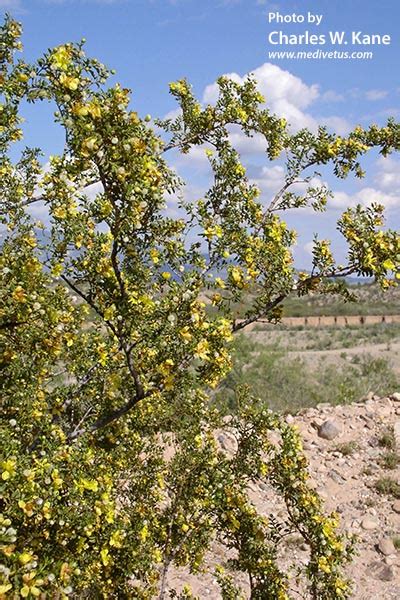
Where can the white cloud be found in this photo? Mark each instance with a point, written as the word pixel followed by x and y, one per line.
pixel 247 145
pixel 332 96
pixel 365 197
pixel 288 96
pixel 285 94
pixel 14 6
pixel 195 158
pixel 376 94
pixel 308 247
pixel 270 179
pixel 173 114
pixel 388 175
pixel 340 125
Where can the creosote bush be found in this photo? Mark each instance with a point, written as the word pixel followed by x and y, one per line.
pixel 111 472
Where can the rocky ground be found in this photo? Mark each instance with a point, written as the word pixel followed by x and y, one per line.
pixel 351 450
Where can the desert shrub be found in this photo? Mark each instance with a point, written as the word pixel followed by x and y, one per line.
pixel 286 383
pixel 110 470
pixel 388 486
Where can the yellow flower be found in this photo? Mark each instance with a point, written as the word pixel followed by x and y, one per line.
pixel 25 558
pixel 61 58
pixel 80 109
pixel 144 533
pixel 30 587
pixel 60 212
pixel 72 83
pixel 166 275
pixel 57 270
pixel 323 565
pixel 116 539
pixel 154 255
pixel 5 588
pixel 203 350
pixel 388 265
pixel 237 275
pixel 94 109
pixel 185 333
pixel 27 507
pixel 9 469
pixel 88 484
pixel 105 558
pixel 19 294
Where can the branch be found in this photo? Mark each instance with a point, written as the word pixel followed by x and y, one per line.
pixel 242 324
pixel 89 302
pixel 107 419
pixel 334 274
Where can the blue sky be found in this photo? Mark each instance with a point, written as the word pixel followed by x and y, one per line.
pixel 153 42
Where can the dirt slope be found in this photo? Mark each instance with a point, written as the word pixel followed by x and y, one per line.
pixel 344 470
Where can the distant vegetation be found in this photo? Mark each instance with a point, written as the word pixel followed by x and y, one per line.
pixel 371 301
pixel 287 382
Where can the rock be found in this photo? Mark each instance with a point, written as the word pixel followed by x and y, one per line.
pixel 289 419
pixel 304 546
pixel 396 430
pixel 369 524
pixel 386 546
pixel 385 411
pixel 227 442
pixel 396 396
pixel 396 506
pixel 323 405
pixel 337 477
pixel 329 430
pixel 381 571
pixel 274 438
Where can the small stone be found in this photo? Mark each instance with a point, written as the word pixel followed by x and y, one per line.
pixel 381 571
pixel 304 546
pixel 396 506
pixel 323 405
pixel 385 411
pixel 337 477
pixel 369 524
pixel 396 396
pixel 386 546
pixel 289 419
pixel 227 442
pixel 396 430
pixel 329 430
